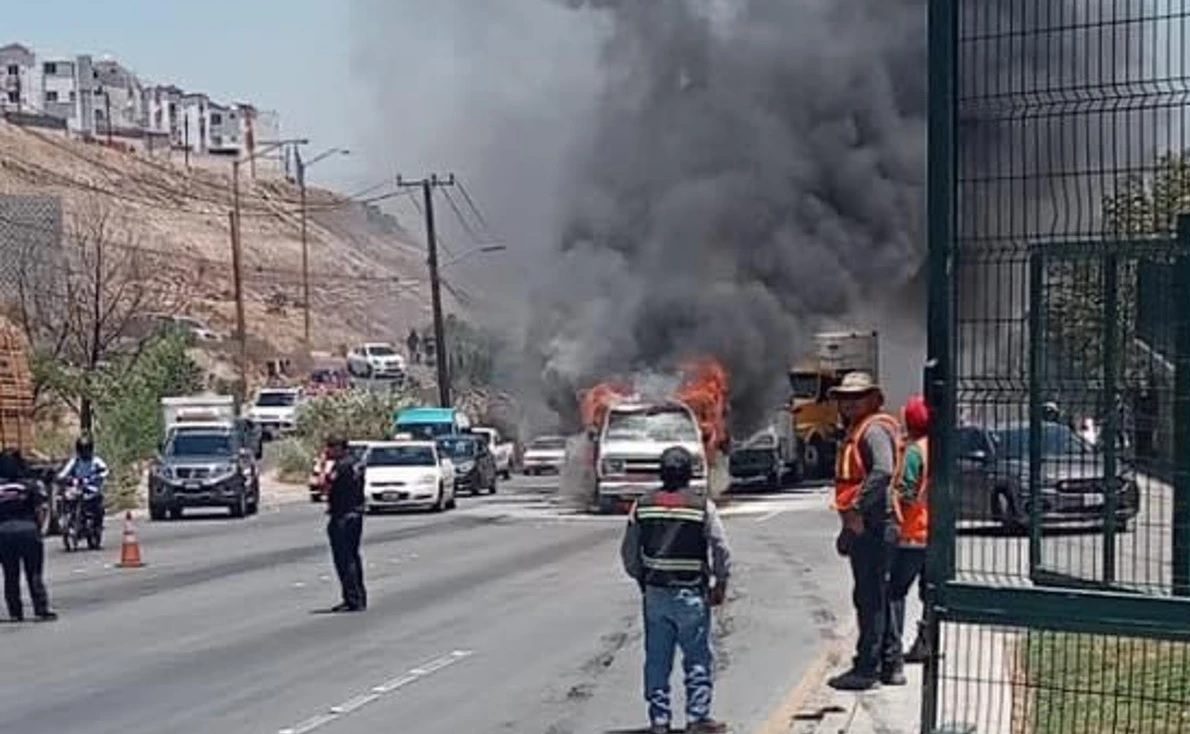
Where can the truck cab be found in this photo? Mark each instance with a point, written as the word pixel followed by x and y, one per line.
pixel 629 446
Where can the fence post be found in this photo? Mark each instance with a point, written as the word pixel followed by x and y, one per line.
pixel 1181 412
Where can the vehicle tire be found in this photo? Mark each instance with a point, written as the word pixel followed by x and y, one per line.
pixel 492 489
pixel 440 505
pixel 506 474
pixel 156 513
pixel 95 538
pixel 240 508
pixel 773 480
pixel 452 503
pixel 607 505
pixel 175 513
pixel 315 497
pixel 814 459
pixel 70 538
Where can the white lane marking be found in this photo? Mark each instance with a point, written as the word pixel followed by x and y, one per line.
pixel 357 702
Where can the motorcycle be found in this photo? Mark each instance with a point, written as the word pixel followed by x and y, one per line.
pixel 80 515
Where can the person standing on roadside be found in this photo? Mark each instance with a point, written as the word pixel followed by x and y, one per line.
pixel 863 472
pixel 413 343
pixel 675 548
pixel 344 528
pixel 910 492
pixel 22 510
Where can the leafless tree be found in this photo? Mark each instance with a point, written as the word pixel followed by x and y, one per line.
pixel 80 306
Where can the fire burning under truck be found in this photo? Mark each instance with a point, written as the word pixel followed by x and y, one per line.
pixel 627 432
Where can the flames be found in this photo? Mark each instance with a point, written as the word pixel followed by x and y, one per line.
pixel 704 388
pixel 594 403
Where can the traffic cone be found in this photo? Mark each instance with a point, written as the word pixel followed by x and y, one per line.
pixel 130 547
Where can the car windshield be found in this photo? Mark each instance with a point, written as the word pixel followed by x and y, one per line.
pixel 427 431
pixel 401 456
pixel 275 399
pixel 381 351
pixel 199 444
pixel 462 448
pixel 357 451
pixel 803 384
pixel 548 444
pixel 652 425
pixel 1056 440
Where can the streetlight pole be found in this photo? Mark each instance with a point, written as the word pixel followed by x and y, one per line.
pixel 301 173
pixel 237 258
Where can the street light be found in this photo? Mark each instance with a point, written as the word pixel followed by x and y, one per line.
pixel 301 175
pixel 237 263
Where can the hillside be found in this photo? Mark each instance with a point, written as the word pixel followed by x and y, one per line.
pixel 368 276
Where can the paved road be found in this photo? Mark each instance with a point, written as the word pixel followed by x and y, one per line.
pixel 507 615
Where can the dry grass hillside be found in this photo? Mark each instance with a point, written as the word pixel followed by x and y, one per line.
pixel 367 274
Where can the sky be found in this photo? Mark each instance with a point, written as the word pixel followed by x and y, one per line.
pixel 291 56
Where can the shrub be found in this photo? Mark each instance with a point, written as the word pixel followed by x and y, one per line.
pixel 355 415
pixel 293 458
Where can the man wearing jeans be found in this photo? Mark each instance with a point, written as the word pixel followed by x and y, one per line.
pixel 675 548
pixel 345 505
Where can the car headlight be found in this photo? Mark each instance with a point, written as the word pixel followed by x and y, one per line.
pixel 428 479
pixel 164 471
pixel 465 467
pixel 614 466
pixel 223 473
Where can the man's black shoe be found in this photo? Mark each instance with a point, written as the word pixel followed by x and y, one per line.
pixel 345 607
pixel 48 615
pixel 854 680
pixel 893 676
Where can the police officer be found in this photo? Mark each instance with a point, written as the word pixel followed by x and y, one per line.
pixel 676 549
pixel 22 508
pixel 345 506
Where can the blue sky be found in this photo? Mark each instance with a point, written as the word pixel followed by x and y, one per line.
pixel 289 55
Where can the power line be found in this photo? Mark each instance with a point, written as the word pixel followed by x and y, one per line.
pixel 475 238
pixel 474 209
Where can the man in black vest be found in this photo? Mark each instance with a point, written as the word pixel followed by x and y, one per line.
pixel 22 504
pixel 675 548
pixel 345 505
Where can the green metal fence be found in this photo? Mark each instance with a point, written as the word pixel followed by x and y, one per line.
pixel 1059 339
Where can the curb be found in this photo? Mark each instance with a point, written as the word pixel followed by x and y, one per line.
pixel 801 702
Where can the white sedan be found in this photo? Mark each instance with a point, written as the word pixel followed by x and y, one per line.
pixel 408 475
pixel 545 454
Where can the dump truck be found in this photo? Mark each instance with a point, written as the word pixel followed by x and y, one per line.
pixel 814 415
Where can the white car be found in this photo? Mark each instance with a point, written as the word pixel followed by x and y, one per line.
pixel 275 410
pixel 376 360
pixel 544 454
pixel 502 450
pixel 407 475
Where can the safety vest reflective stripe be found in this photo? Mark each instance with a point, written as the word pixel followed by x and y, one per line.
pixel 671 564
pixel 656 512
pixel 849 468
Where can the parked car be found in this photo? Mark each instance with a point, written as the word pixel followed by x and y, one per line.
pixel 401 475
pixel 769 457
pixel 317 481
pixel 502 450
pixel 475 464
pixel 544 454
pixel 377 361
pixel 275 410
pixel 994 477
pixel 204 466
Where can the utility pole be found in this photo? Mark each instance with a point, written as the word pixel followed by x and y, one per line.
pixel 237 274
pixel 301 174
pixel 107 114
pixel 186 138
pixel 427 186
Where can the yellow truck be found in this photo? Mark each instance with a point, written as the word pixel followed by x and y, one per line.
pixel 814 415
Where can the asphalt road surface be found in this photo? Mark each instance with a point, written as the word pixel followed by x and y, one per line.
pixel 510 614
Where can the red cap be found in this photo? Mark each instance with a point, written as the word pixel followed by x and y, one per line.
pixel 916 415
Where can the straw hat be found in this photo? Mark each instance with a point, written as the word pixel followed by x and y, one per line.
pixel 855 384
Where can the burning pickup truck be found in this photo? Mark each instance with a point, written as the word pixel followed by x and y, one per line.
pixel 628 432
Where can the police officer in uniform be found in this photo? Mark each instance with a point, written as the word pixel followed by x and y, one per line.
pixel 345 506
pixel 22 504
pixel 676 549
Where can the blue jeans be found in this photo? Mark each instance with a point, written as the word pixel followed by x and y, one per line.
pixel 677 617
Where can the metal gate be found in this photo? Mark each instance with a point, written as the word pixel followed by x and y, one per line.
pixel 1059 341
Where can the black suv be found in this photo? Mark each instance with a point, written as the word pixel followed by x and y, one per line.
pixel 204 466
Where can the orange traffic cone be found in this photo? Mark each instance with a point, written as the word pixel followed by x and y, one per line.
pixel 130 548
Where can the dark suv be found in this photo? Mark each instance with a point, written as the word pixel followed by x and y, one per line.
pixel 994 477
pixel 204 466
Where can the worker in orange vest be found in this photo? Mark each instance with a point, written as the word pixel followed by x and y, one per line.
pixel 864 470
pixel 910 494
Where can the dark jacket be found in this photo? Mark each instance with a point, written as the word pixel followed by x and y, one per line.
pixel 20 499
pixel 345 488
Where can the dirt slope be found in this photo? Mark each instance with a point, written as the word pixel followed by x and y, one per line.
pixel 367 274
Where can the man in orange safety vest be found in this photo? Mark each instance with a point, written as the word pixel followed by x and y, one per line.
pixel 864 470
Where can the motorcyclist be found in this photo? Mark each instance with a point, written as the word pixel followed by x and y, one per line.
pixel 90 471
